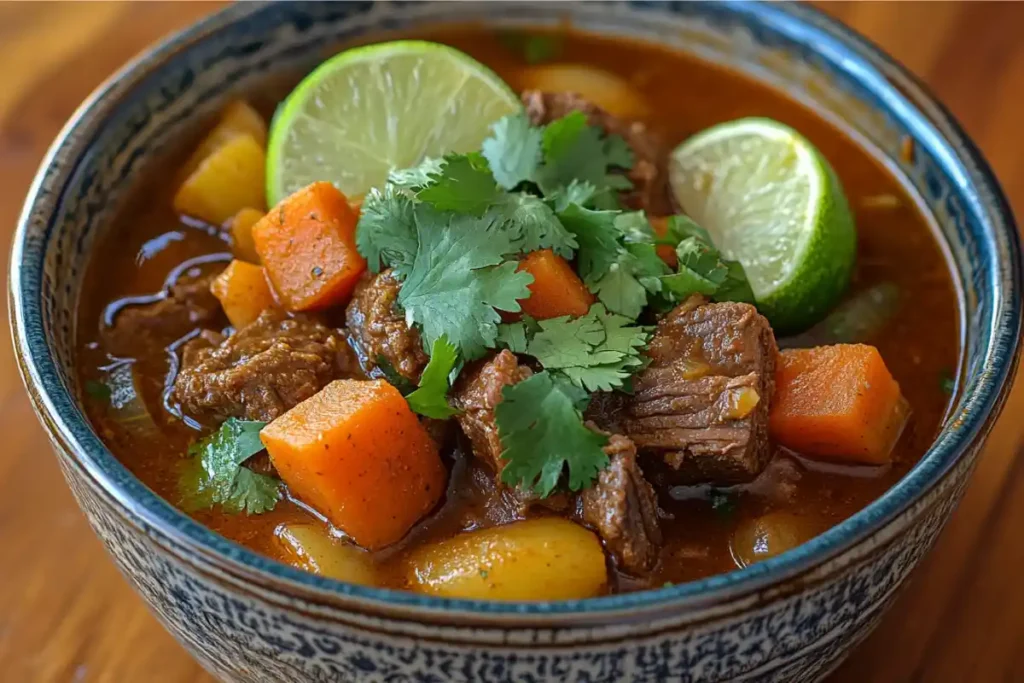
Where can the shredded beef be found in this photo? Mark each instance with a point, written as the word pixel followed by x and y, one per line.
pixel 261 371
pixel 649 176
pixel 702 403
pixel 378 330
pixel 623 509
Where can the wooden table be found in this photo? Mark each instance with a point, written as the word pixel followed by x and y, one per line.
pixel 67 615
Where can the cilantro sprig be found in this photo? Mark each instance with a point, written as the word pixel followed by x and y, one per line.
pixel 429 399
pixel 214 475
pixel 596 352
pixel 541 427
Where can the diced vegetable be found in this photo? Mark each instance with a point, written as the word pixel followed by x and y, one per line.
pixel 358 454
pixel 837 402
pixel 309 547
pixel 767 536
pixel 667 252
pixel 549 558
pixel 225 182
pixel 238 119
pixel 243 245
pixel 307 244
pixel 243 292
pixel 556 289
pixel 612 93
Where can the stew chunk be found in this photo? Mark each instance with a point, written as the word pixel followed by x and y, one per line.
pixel 623 508
pixel 703 401
pixel 139 330
pixel 650 189
pixel 379 331
pixel 260 371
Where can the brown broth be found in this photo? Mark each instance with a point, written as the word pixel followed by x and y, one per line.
pixel 897 244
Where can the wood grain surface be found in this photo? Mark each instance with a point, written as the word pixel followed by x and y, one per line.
pixel 67 615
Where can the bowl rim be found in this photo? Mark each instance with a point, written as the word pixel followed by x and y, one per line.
pixel 862 60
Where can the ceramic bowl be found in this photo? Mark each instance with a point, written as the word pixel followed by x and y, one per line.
pixel 248 618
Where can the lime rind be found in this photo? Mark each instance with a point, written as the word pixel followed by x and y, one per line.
pixel 370 110
pixel 770 200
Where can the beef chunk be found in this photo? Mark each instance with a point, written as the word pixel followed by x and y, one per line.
pixel 702 403
pixel 142 329
pixel 261 371
pixel 623 509
pixel 649 175
pixel 379 331
pixel 476 394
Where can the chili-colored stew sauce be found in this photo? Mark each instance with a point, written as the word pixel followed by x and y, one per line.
pixel 704 534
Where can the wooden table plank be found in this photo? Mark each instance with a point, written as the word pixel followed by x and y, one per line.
pixel 67 615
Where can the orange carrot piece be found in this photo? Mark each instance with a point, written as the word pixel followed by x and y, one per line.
pixel 307 243
pixel 243 292
pixel 556 289
pixel 241 234
pixel 665 251
pixel 358 454
pixel 838 403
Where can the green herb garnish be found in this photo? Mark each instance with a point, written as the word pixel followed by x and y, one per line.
pixel 214 475
pixel 541 426
pixel 98 390
pixel 429 399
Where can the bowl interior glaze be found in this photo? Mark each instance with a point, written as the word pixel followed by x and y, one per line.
pixel 122 130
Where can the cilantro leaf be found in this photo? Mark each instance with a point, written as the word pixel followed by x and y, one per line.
pixel 620 290
pixel 576 151
pixel 701 269
pixel 463 185
pixel 596 352
pixel 543 433
pixel 214 474
pixel 598 239
pixel 533 225
pixel 417 177
pixel 512 336
pixel 394 378
pixel 513 150
pixel 386 232
pixel 458 278
pixel 429 400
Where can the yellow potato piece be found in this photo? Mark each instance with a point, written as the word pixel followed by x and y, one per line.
pixel 309 547
pixel 612 93
pixel 539 559
pixel 237 119
pixel 243 245
pixel 227 181
pixel 763 537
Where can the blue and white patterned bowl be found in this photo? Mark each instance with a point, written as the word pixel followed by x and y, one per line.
pixel 248 618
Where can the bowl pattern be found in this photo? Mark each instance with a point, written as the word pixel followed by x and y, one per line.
pixel 247 618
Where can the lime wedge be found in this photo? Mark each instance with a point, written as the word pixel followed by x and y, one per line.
pixel 373 109
pixel 770 201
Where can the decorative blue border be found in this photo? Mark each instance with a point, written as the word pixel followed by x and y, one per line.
pixel 845 52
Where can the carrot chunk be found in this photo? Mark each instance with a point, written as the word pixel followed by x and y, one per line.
pixel 243 292
pixel 556 289
pixel 242 243
pixel 665 251
pixel 307 243
pixel 838 403
pixel 228 180
pixel 357 453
